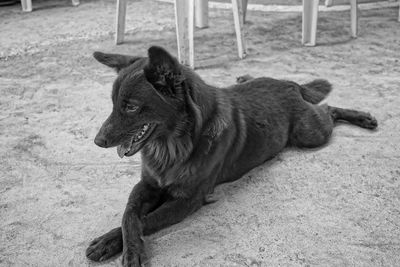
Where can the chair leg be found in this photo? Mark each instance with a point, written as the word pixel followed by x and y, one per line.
pixel 26 5
pixel 354 18
pixel 184 19
pixel 238 20
pixel 244 6
pixel 310 18
pixel 328 3
pixel 201 16
pixel 75 2
pixel 120 27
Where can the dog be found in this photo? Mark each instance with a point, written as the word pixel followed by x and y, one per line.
pixel 193 136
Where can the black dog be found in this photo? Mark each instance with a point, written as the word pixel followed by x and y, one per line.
pixel 193 136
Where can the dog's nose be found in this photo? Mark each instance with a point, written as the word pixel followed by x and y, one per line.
pixel 100 141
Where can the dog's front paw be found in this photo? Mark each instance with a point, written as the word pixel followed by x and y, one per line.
pixel 132 258
pixel 105 246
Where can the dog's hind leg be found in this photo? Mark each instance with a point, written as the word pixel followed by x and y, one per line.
pixel 312 127
pixel 359 118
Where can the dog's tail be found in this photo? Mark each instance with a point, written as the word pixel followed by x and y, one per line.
pixel 315 91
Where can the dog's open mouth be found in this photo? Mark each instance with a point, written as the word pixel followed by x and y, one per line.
pixel 136 142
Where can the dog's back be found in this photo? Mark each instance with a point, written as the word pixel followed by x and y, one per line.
pixel 267 114
pixel 193 136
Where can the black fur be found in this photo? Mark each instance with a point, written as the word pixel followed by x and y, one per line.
pixel 315 91
pixel 197 136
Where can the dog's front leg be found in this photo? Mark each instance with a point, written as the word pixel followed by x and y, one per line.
pixel 171 212
pixel 140 198
pixel 133 253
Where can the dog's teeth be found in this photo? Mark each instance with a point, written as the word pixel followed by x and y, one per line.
pixel 140 134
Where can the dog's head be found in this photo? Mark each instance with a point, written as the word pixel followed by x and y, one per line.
pixel 148 100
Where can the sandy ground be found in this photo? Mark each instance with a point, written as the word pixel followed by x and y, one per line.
pixel 334 206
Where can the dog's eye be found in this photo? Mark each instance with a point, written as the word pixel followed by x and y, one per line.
pixel 131 108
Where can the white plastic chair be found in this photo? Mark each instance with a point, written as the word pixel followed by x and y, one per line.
pixel 27 4
pixel 310 18
pixel 187 14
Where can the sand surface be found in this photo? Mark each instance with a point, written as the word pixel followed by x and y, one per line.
pixel 334 206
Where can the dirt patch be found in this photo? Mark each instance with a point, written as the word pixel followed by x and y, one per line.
pixel 338 205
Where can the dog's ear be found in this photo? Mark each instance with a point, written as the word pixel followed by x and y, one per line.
pixel 164 72
pixel 114 61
